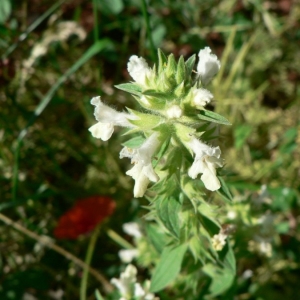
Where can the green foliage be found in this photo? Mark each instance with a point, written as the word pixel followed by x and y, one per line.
pixel 168 210
pixel 168 267
pixel 58 163
pixel 5 10
pixel 213 117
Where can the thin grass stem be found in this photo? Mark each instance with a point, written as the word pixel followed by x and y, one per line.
pixel 48 242
pixel 94 49
pixel 148 28
pixel 95 14
pixel 87 261
pixel 31 27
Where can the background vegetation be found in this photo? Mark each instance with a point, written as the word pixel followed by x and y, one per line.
pixel 55 56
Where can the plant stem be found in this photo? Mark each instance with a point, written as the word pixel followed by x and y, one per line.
pixel 88 258
pixel 118 239
pixel 48 242
pixel 95 14
pixel 148 28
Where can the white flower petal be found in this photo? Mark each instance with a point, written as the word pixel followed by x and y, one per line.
pixel 127 255
pixel 106 114
pixel 107 118
pixel 138 69
pixel 202 97
pixel 102 131
pixel 210 178
pixel 208 65
pixel 219 241
pixel 142 170
pixel 207 159
pixel 132 229
pixel 174 112
pixel 125 283
pixel 140 186
pixel 150 173
pixel 138 290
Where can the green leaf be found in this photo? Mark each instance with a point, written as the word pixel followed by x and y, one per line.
pixel 162 61
pixel 98 295
pixel 168 209
pixel 146 121
pixel 229 259
pixel 5 10
pixel 190 65
pixel 135 142
pixel 174 161
pixel 241 134
pixel 156 237
pixel 210 116
pixel 110 6
pixel 168 267
pixel 209 224
pixel 222 279
pixel 180 74
pixel 158 95
pixel 162 150
pixel 130 88
pixel 171 65
pixel 224 190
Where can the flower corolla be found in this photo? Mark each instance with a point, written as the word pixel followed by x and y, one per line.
pixel 219 241
pixel 133 229
pixel 138 69
pixel 208 65
pixel 142 171
pixel 174 112
pixel 201 97
pixel 207 159
pixel 107 118
pixel 129 288
pixel 127 255
pixel 125 284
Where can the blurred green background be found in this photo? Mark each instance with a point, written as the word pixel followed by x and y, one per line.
pixel 57 55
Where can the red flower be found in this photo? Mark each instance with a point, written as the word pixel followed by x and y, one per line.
pixel 84 216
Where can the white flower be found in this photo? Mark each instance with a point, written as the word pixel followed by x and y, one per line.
pixel 231 215
pixel 174 112
pixel 125 284
pixel 107 118
pixel 142 172
pixel 142 293
pixel 263 245
pixel 247 274
pixel 208 65
pixel 207 159
pixel 219 241
pixel 127 255
pixel 138 69
pixel 202 97
pixel 133 229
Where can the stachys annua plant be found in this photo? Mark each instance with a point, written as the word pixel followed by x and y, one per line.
pixel 175 143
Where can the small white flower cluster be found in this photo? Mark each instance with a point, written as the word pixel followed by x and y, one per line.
pixel 219 241
pixel 207 158
pixel 133 229
pixel 129 288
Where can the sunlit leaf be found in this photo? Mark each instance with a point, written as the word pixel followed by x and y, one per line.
pixel 168 267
